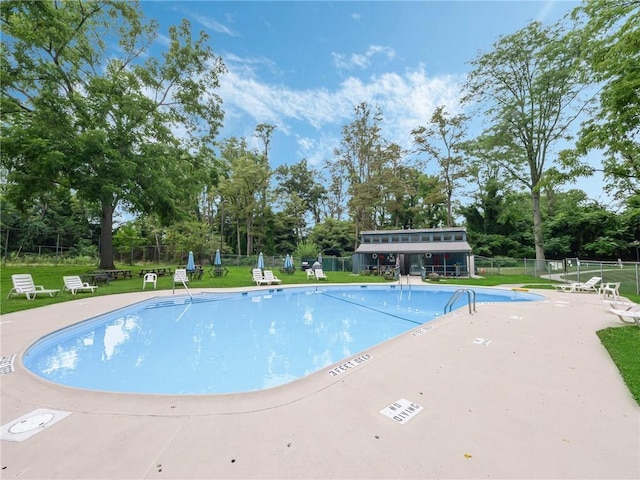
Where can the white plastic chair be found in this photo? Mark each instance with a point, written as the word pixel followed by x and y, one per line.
pixel 270 278
pixel 320 274
pixel 23 285
pixel 610 289
pixel 74 284
pixel 149 278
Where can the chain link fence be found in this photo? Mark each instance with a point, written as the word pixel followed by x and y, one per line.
pixel 169 255
pixel 565 270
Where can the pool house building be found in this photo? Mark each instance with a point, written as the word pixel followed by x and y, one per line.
pixel 444 251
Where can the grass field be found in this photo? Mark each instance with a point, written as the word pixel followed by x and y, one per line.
pixel 623 344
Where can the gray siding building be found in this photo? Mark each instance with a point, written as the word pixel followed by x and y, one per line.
pixel 444 251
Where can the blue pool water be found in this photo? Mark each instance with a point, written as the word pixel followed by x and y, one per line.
pixel 237 342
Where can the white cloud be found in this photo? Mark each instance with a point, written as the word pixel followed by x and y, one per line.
pixel 214 25
pixel 407 100
pixel 317 150
pixel 361 60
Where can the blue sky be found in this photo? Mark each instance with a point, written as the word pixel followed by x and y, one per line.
pixel 303 66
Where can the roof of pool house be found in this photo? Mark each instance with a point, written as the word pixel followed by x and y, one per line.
pixel 450 239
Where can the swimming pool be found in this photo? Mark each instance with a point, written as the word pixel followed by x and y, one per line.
pixel 236 342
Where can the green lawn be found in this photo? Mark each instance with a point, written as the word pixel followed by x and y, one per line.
pixel 623 344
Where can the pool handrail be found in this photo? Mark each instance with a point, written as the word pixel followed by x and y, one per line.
pixel 471 298
pixel 181 276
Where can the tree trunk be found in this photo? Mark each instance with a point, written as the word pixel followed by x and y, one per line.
pixel 106 237
pixel 249 236
pixel 537 230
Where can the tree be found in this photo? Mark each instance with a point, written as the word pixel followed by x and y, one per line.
pixel 609 33
pixel 361 159
pixel 442 140
pixel 584 228
pixel 301 184
pixel 77 114
pixel 530 89
pixel 248 177
pixel 334 237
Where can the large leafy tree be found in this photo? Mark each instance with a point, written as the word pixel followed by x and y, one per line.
pixel 442 140
pixel 360 162
pixel 302 191
pixel 530 89
pixel 246 181
pixel 86 107
pixel 609 31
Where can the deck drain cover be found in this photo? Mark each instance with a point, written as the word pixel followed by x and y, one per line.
pixel 30 423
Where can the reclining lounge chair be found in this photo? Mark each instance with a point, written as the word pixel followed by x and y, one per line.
pixel 74 284
pixel 588 286
pixel 23 285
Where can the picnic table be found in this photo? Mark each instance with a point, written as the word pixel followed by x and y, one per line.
pixel 95 278
pixel 115 274
pixel 161 272
pixel 194 274
pixel 218 271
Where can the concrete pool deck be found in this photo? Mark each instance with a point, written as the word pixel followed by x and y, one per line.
pixel 517 390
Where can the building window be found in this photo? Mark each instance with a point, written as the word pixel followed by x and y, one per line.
pixel 459 237
pixel 384 239
pixel 446 237
pixel 437 237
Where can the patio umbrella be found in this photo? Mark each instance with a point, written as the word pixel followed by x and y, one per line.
pixel 191 264
pixel 260 261
pixel 288 263
pixel 320 258
pixel 217 261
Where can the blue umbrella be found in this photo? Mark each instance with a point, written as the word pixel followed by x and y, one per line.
pixel 191 264
pixel 218 260
pixel 260 261
pixel 288 263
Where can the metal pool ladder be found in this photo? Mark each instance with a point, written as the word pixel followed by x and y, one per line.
pixel 471 299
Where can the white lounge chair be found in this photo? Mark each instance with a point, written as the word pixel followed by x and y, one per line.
pixel 180 277
pixel 23 285
pixel 310 274
pixel 270 278
pixel 588 286
pixel 631 314
pixel 258 277
pixel 74 284
pixel 320 274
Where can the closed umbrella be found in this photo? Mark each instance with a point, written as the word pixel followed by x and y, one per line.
pixel 260 261
pixel 288 263
pixel 217 261
pixel 320 258
pixel 191 264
